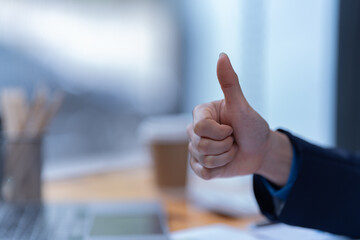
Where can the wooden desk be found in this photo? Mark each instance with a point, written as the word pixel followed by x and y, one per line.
pixel 134 184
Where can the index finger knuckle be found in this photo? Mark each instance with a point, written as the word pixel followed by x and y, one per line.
pixel 200 127
pixel 203 146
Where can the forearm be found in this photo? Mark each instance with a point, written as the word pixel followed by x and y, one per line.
pixel 277 162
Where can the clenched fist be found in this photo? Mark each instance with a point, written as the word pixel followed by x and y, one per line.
pixel 229 138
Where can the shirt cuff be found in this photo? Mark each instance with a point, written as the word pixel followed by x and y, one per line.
pixel 278 193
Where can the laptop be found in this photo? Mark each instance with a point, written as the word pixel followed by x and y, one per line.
pixel 110 221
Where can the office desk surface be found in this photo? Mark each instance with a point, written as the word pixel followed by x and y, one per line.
pixel 135 184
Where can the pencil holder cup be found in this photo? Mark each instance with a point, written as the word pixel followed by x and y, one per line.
pixel 22 164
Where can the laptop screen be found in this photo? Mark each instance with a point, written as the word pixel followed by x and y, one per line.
pixel 106 225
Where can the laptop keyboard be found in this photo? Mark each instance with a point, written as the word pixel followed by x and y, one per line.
pixel 36 222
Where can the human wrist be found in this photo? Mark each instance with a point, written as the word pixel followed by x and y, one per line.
pixel 276 164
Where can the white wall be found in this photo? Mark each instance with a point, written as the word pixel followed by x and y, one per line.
pixel 211 27
pixel 283 51
pixel 301 67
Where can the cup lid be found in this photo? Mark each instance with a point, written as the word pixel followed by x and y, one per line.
pixel 164 128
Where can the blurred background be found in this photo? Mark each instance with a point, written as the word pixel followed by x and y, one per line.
pixel 120 62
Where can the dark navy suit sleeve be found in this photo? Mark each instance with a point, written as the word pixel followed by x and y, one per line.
pixel 325 194
pixel 279 194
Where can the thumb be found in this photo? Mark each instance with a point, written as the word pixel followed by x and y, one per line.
pixel 229 81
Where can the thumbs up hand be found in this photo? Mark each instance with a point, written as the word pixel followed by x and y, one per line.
pixel 229 138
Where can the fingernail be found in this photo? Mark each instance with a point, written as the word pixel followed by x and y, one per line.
pixel 222 54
